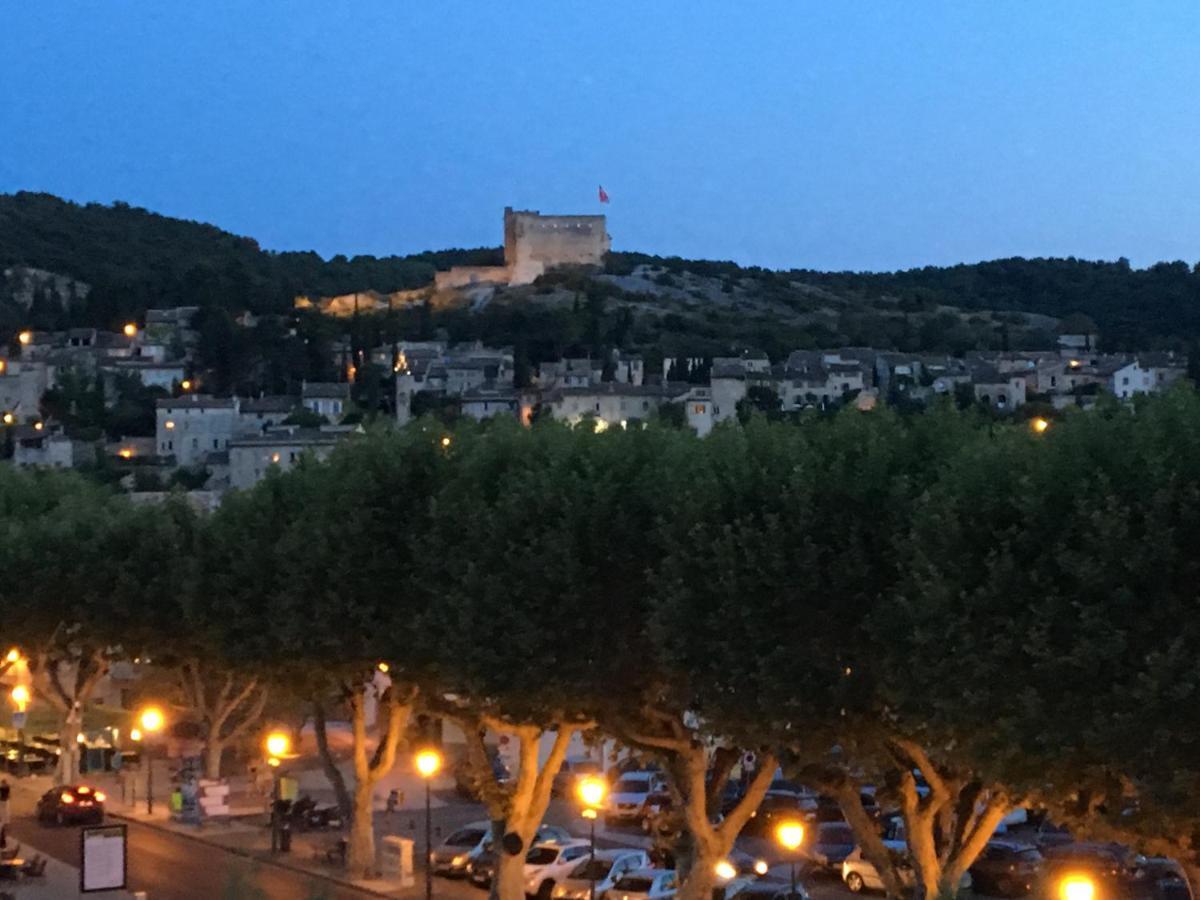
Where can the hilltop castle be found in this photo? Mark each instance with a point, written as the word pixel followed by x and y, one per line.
pixel 534 244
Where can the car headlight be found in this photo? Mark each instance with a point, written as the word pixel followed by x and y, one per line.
pixel 460 860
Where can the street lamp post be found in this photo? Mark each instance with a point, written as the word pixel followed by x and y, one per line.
pixel 428 763
pixel 277 746
pixel 790 835
pixel 591 792
pixel 20 699
pixel 152 721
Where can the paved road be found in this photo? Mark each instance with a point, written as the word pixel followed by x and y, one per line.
pixel 168 867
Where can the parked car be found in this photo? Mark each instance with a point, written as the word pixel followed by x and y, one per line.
pixel 75 804
pixel 832 843
pixel 829 810
pixel 860 875
pixel 627 799
pixel 604 870
pixel 1006 869
pixel 481 862
pixel 807 798
pixel 1117 871
pixel 546 863
pixel 776 808
pixel 644 884
pixel 566 781
pixel 657 804
pixel 631 764
pixel 452 856
pixel 768 890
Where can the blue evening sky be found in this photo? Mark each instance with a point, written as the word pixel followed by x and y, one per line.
pixel 825 134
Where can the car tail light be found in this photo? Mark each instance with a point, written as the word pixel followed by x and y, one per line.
pixel 66 798
pixel 100 798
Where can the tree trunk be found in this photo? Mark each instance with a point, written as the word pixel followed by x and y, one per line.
pixel 849 797
pixel 509 883
pixel 213 750
pixel 329 764
pixel 701 878
pixel 67 771
pixel 361 855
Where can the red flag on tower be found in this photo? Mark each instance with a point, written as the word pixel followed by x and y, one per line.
pixel 603 195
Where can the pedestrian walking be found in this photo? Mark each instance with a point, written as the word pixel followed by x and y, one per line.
pixel 393 800
pixel 5 790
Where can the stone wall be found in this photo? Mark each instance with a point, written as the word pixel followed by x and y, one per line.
pixel 534 243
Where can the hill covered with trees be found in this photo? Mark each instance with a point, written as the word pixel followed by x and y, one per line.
pixel 119 260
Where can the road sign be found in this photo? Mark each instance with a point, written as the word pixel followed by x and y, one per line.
pixel 18 720
pixel 103 860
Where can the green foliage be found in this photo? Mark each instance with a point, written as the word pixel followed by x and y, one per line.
pixel 1023 604
pixel 762 400
pixel 136 259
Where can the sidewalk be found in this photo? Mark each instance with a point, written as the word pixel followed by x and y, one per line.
pixel 61 881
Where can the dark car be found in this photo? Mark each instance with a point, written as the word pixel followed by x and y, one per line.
pixel 776 808
pixel 1006 869
pixel 482 869
pixel 71 804
pixel 1116 870
pixel 566 781
pixel 765 890
pixel 832 842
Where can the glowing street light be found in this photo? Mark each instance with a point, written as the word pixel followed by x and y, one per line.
pixel 152 721
pixel 25 337
pixel 9 418
pixel 446 442
pixel 428 762
pixel 1076 887
pixel 1039 425
pixel 278 744
pixel 20 697
pixel 130 330
pixel 186 384
pixel 790 835
pixel 591 791
pixel 135 734
pixel 13 656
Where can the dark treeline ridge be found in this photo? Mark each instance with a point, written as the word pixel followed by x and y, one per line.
pixel 135 259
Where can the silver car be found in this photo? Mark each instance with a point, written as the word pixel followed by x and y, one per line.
pixel 644 884
pixel 603 870
pixel 453 856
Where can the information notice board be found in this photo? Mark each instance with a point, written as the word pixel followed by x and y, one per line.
pixel 102 859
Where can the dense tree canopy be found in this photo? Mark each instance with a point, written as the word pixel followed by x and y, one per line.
pixel 861 596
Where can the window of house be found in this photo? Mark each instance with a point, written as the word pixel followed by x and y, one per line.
pixel 698 409
pixel 1125 380
pixel 1053 381
pixel 216 444
pixel 195 443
